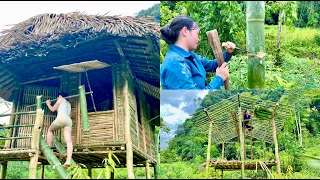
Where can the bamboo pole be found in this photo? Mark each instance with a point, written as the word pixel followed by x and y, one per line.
pixel 157 142
pixel 251 137
pixel 18 113
pixel 129 148
pixel 208 149
pixel 4 166
pixel 241 141
pixel 255 14
pixel 147 165
pixel 36 134
pixel 274 134
pixel 222 154
pixel 52 159
pixel 90 170
pixel 11 122
pixel 84 109
pixel 42 171
pixel 300 132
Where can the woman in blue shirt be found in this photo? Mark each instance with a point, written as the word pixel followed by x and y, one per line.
pixel 184 69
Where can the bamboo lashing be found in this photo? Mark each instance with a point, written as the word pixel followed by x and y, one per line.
pixel 68 97
pixel 217 51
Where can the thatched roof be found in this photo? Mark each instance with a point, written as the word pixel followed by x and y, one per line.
pixel 44 30
pixel 31 49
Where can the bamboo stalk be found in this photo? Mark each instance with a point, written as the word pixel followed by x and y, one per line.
pixel 11 122
pixel 18 113
pixel 255 13
pixel 251 136
pixel 4 166
pixel 61 149
pixel 13 126
pixel 52 159
pixel 42 171
pixel 21 137
pixel 84 109
pixel 36 140
pixel 90 170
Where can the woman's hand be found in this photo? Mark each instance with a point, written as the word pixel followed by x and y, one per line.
pixel 48 102
pixel 230 46
pixel 223 71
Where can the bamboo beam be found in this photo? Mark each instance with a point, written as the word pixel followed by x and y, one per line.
pixel 18 113
pixel 61 149
pixel 208 149
pixel 157 142
pixel 52 159
pixel 13 126
pixel 84 109
pixel 241 141
pixel 68 97
pixel 4 166
pixel 274 134
pixel 217 51
pixel 222 153
pixel 36 140
pixel 205 110
pixel 11 138
pixel 147 166
pixel 41 79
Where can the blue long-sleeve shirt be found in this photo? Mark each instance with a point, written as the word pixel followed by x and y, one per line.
pixel 183 69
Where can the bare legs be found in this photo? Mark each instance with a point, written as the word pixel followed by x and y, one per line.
pixel 68 140
pixel 51 129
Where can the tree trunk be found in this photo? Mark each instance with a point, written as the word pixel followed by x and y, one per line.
pixel 255 43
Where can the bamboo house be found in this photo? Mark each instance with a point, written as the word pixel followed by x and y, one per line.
pixel 110 61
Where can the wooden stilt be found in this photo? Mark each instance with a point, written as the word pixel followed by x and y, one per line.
pixel 241 141
pixel 112 175
pixel 274 134
pixel 129 148
pixel 4 166
pixel 222 154
pixel 42 171
pixel 36 140
pixel 157 143
pixel 221 173
pixel 90 170
pixel 147 165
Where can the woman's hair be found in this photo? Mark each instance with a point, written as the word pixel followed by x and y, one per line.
pixel 245 111
pixel 63 94
pixel 170 33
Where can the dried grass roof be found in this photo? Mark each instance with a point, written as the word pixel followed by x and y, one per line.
pixel 43 29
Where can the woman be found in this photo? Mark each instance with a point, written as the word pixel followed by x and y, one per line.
pixel 63 120
pixel 184 69
pixel 246 119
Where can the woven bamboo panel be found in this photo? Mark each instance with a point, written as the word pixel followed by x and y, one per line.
pixel 117 84
pixel 133 112
pixel 141 140
pixel 101 128
pixel 29 97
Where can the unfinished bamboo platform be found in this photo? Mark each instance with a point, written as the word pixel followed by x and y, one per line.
pixel 236 165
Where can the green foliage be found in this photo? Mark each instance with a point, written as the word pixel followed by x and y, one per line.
pixel 153 11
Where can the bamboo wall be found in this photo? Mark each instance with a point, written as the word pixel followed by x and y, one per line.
pixel 28 97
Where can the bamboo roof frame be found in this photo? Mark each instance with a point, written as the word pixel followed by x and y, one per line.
pixel 221 116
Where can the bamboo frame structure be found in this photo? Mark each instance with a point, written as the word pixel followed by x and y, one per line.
pixel 223 125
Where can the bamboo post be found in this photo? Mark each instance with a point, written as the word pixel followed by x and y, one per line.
pixel 208 149
pixel 147 165
pixel 274 134
pixel 42 171
pixel 129 148
pixel 156 142
pixel 255 14
pixel 251 137
pixel 217 51
pixel 4 166
pixel 112 175
pixel 90 170
pixel 241 140
pixel 35 140
pixel 78 126
pixel 300 132
pixel 11 122
pixel 222 154
pixel 84 109
pixel 52 159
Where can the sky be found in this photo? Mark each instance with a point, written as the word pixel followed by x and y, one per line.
pixel 17 11
pixel 175 107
